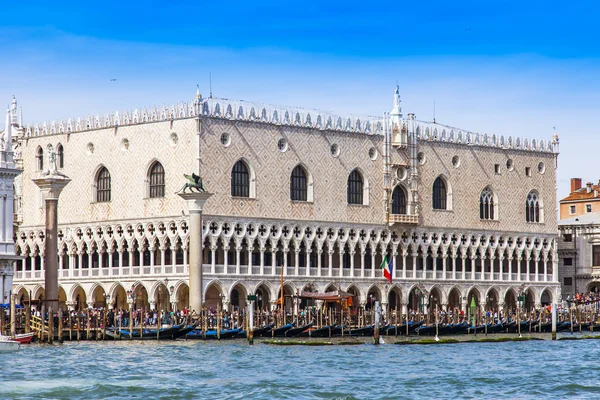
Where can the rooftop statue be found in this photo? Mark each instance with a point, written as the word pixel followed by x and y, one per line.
pixel 194 183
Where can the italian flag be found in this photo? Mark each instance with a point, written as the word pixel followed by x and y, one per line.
pixel 388 267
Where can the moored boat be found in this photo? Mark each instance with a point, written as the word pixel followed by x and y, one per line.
pixel 298 330
pixel 8 345
pixel 24 338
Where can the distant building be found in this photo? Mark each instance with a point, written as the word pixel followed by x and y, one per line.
pixel 581 200
pixel 579 254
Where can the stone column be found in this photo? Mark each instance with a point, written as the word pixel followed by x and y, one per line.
pixel 195 203
pixel 51 183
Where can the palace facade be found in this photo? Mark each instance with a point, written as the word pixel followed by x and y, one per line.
pixel 320 197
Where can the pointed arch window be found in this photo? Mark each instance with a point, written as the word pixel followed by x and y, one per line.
pixel 240 180
pixel 39 155
pixel 103 185
pixel 486 204
pixel 399 200
pixel 532 207
pixel 157 180
pixel 355 188
pixel 439 194
pixel 60 156
pixel 299 185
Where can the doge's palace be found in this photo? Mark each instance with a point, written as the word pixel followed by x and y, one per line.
pixel 318 197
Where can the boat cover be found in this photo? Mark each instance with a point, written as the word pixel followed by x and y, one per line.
pixel 328 296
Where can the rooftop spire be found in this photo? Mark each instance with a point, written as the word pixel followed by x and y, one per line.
pixel 13 112
pixel 397 110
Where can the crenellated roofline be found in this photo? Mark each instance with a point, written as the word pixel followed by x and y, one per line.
pixel 239 110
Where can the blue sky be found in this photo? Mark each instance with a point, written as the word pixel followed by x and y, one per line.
pixel 505 67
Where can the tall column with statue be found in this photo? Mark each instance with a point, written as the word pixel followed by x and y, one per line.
pixel 195 199
pixel 51 183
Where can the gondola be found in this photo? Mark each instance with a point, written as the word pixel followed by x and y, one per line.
pixel 280 332
pixel 258 332
pixel 365 331
pixel 183 330
pixel 323 332
pixel 298 330
pixel 147 334
pixel 212 334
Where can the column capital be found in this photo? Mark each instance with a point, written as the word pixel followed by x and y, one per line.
pixel 51 185
pixel 195 200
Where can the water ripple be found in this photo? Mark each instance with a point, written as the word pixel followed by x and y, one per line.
pixel 234 370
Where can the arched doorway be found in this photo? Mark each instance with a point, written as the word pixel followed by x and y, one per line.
pixel 23 297
pixel 99 297
pixel 304 303
pixel 263 298
pixel 62 298
pixel 454 300
pixel 594 287
pixel 354 301
pixel 288 295
pixel 546 298
pixel 395 300
pixel 140 297
pixel 79 298
pixel 238 297
pixel 119 298
pixel 529 300
pixel 435 300
pixel 491 300
pixel 213 297
pixel 162 298
pixel 183 297
pixel 373 295
pixel 510 300
pixel 473 305
pixel 416 300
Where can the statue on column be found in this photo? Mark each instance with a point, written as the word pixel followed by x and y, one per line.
pixel 194 183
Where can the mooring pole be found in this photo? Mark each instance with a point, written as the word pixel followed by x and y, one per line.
pixel 251 324
pixel 377 314
pixel 553 321
pixel 13 317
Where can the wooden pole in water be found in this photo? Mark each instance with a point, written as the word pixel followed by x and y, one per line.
pixel 518 320
pixel 60 326
pixel 28 318
pixel 13 317
pixel 131 323
pixel 158 323
pixel 89 324
pixel 104 319
pixel 42 323
pixel 342 317
pixel 251 324
pixel 97 325
pixel 50 325
pixel 396 324
pixel 553 321
pixel 579 317
pixel 70 327
pixel 376 331
pixel 78 326
pixel 218 322
pixel 571 318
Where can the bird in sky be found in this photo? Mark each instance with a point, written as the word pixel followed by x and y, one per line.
pixel 113 80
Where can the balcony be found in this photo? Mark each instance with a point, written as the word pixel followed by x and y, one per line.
pixel 403 219
pixel 271 272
